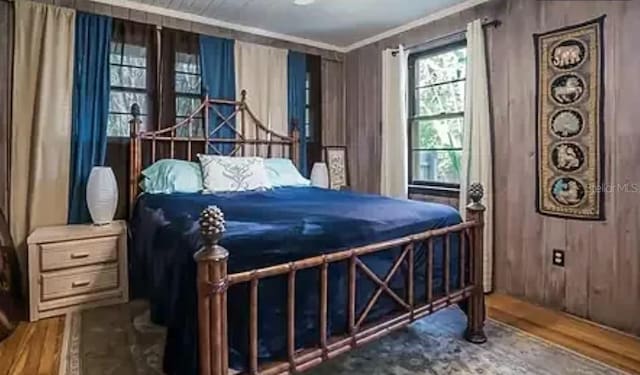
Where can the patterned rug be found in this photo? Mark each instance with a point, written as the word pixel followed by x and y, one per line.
pixel 121 340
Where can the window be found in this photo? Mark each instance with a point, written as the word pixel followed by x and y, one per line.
pixel 188 89
pixel 436 113
pixel 128 65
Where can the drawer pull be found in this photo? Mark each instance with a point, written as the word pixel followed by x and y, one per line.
pixel 79 255
pixel 77 284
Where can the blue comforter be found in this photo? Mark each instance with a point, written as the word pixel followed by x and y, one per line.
pixel 267 228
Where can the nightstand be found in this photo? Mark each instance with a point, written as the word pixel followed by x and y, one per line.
pixel 74 267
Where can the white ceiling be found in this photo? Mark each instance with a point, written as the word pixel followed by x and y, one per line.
pixel 328 23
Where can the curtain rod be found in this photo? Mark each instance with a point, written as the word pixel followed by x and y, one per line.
pixel 485 23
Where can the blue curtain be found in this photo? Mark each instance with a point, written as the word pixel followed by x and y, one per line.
pixel 217 63
pixel 296 88
pixel 90 110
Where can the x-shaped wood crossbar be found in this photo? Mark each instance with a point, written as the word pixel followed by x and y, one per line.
pixel 383 285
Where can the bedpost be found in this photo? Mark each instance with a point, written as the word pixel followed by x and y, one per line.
pixel 295 142
pixel 135 157
pixel 476 313
pixel 212 295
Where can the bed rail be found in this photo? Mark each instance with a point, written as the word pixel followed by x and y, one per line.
pixel 213 282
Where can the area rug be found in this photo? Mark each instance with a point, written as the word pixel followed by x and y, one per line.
pixel 121 340
pixel 569 118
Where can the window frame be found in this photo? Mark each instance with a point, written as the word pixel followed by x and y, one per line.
pixel 188 95
pixel 437 188
pixel 148 90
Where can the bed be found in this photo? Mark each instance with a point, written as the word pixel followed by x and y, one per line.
pixel 298 275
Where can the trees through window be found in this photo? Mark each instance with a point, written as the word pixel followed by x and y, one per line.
pixel 436 113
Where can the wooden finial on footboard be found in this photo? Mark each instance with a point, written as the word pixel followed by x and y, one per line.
pixel 476 313
pixel 212 295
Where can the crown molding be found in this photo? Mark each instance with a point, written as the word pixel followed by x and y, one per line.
pixel 419 22
pixel 135 5
pixel 219 23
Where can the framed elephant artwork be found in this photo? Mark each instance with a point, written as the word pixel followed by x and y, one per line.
pixel 337 165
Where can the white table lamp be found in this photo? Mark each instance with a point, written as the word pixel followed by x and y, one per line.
pixel 320 175
pixel 102 195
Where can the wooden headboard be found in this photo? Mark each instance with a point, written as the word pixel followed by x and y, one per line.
pixel 249 137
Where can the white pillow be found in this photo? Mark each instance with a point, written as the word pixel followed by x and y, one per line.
pixel 226 173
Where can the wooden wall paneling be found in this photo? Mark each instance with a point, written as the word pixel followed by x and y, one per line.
pixel 332 87
pixel 523 121
pixel 600 253
pixel 513 164
pixel 6 67
pixel 626 262
pixel 498 89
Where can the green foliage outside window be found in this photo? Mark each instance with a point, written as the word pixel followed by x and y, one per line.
pixel 438 95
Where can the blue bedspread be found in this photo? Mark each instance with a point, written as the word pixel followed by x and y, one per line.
pixel 267 228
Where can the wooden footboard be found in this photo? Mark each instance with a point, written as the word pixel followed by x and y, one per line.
pixel 213 282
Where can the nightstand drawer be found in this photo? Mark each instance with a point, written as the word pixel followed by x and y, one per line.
pixel 79 281
pixel 78 253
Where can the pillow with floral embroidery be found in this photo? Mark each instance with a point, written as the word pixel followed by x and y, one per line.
pixel 226 173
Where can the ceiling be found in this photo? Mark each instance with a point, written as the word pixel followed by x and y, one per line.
pixel 328 23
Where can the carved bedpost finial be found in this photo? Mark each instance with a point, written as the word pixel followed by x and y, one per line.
pixel 475 193
pixel 134 124
pixel 135 110
pixel 211 225
pixel 243 95
pixel 205 91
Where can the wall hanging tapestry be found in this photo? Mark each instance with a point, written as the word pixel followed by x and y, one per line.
pixel 569 136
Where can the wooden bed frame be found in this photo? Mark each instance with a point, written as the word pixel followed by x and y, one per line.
pixel 213 280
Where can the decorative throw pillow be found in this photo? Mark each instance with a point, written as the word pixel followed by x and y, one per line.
pixel 282 172
pixel 172 176
pixel 226 173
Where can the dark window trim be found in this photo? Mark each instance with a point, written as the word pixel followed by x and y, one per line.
pixel 429 187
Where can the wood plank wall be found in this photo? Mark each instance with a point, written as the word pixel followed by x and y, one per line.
pixel 6 48
pixel 332 87
pixel 601 279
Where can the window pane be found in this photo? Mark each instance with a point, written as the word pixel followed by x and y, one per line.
pixel 445 133
pixel 118 125
pixel 443 67
pixel 186 105
pixel 122 76
pixel 436 166
pixel 196 128
pixel 187 83
pixel 115 57
pixel 187 63
pixel 134 55
pixel 447 98
pixel 121 101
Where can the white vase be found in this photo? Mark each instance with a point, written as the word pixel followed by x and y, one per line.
pixel 102 195
pixel 320 175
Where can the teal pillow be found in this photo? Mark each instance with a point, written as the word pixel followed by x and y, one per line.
pixel 282 172
pixel 172 176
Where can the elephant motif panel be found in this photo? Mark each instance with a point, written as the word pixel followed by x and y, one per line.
pixel 569 121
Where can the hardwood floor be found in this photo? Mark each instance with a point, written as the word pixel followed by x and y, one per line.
pixel 590 339
pixel 35 347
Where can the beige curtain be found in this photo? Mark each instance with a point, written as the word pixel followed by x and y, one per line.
pixel 41 125
pixel 262 72
pixel 394 168
pixel 476 141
